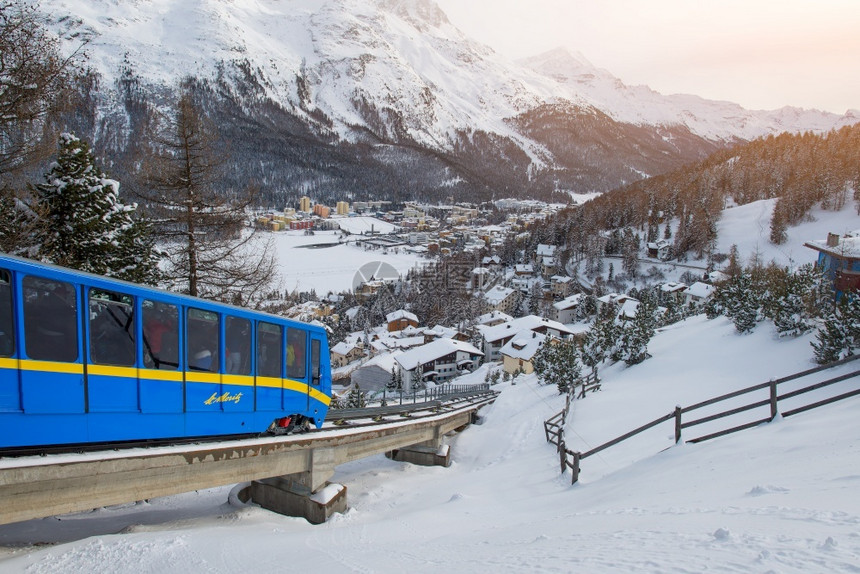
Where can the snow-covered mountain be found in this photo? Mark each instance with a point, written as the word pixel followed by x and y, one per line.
pixel 398 76
pixel 713 120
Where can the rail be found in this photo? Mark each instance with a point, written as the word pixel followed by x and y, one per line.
pixel 572 459
pixel 428 399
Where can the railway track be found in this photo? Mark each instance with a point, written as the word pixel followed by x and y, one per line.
pixel 336 419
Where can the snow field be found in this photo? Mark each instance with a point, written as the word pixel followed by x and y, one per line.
pixel 328 269
pixel 777 498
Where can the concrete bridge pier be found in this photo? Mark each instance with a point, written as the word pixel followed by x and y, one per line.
pixel 306 494
pixel 286 496
pixel 431 452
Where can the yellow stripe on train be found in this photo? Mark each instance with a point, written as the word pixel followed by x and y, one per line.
pixel 162 375
pixel 51 367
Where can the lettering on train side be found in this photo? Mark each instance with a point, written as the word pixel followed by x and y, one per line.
pixel 223 398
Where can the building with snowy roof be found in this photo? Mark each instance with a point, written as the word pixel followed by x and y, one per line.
pixel 493 318
pixel 561 285
pixel 566 310
pixel 699 293
pixel 399 320
pixel 839 259
pixel 375 374
pixel 502 299
pixel 346 352
pixel 495 337
pixel 518 353
pixel 438 361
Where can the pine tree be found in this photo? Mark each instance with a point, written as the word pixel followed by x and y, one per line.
pixel 839 334
pixel 356 399
pixel 557 363
pixel 741 300
pixel 637 332
pixel 84 225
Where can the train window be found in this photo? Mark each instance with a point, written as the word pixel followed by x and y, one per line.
pixel 111 328
pixel 269 345
pixel 201 339
pixel 237 343
pixel 160 335
pixel 296 350
pixel 315 362
pixel 50 319
pixel 7 325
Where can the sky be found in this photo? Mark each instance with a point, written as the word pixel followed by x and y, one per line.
pixel 762 54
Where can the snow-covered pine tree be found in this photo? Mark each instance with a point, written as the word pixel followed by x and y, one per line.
pixel 599 342
pixel 741 301
pixel 793 299
pixel 839 334
pixel 84 225
pixel 637 333
pixel 356 399
pixel 557 363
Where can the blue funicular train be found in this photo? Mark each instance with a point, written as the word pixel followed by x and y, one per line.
pixel 85 359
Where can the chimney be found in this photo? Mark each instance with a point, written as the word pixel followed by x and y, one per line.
pixel 832 240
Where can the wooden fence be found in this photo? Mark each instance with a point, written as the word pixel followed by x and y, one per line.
pixel 554 426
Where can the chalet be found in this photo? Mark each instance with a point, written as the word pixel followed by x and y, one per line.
pixel 438 361
pixel 399 320
pixel 548 266
pixel 493 318
pixel 496 337
pixel 491 262
pixel 672 292
pixel 839 260
pixel 524 270
pixel 442 332
pixel 502 299
pixel 519 352
pixel 628 310
pixel 375 374
pixel 480 277
pixel 699 293
pixel 561 285
pixel 346 352
pixel 611 299
pixel 566 310
pixel 661 250
pixel 543 250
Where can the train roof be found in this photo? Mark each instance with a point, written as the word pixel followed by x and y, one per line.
pixel 103 281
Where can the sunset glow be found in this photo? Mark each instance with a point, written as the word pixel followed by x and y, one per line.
pixel 761 54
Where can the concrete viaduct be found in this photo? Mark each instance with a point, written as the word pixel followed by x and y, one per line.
pixel 288 474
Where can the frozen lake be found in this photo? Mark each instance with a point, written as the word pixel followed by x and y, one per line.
pixel 321 263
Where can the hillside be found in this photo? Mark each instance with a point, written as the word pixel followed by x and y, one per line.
pixel 385 99
pixel 776 498
pixel 800 179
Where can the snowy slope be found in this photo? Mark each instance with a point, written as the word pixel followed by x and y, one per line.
pixel 400 63
pixel 748 227
pixel 778 498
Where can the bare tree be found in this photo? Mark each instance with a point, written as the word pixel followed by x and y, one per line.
pixel 211 252
pixel 34 81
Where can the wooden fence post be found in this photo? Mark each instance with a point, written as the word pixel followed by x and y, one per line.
pixel 562 454
pixel 774 410
pixel 575 468
pixel 677 424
